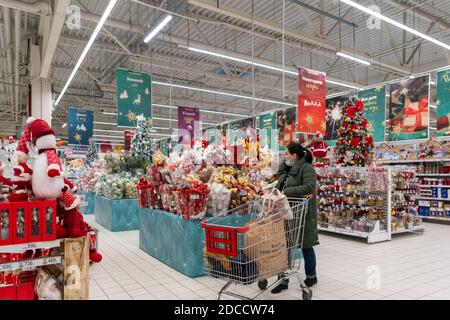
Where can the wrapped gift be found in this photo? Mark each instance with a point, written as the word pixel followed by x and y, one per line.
pixel 416 116
pixel 168 197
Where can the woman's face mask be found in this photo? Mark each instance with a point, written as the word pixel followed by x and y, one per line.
pixel 290 159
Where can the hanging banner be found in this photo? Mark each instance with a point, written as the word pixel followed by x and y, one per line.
pixel 268 134
pixel 81 126
pixel 334 117
pixel 375 107
pixel 312 92
pixel 212 135
pixel 105 146
pixel 408 109
pixel 443 103
pixel 134 97
pixel 117 148
pixel 127 137
pixel 164 147
pixel 286 125
pixel 189 121
pixel 235 135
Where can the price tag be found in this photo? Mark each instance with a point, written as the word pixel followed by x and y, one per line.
pixel 195 197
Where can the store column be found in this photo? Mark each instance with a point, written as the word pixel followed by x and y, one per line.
pixel 41 94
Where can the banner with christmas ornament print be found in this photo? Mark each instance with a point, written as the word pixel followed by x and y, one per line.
pixel 443 103
pixel 268 134
pixel 134 97
pixel 409 110
pixel 287 127
pixel 80 126
pixel 312 91
pixel 334 117
pixel 374 101
pixel 188 124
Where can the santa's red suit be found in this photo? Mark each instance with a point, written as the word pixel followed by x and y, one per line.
pixel 21 180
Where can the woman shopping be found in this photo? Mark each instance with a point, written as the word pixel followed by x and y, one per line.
pixel 297 179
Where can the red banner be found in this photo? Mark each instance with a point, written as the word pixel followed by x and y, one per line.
pixel 128 135
pixel 312 91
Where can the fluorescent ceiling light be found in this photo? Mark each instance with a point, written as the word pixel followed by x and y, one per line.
pixel 395 23
pixel 432 83
pixel 100 24
pixel 106 123
pixel 346 56
pixel 108 136
pixel 224 56
pixel 64 125
pixel 110 113
pixel 222 93
pixel 105 130
pixel 158 28
pixel 203 110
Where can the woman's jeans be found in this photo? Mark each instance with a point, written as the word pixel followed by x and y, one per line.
pixel 310 263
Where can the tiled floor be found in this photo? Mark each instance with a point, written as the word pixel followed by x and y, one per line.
pixel 409 267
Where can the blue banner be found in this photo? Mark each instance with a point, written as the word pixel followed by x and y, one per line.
pixel 81 126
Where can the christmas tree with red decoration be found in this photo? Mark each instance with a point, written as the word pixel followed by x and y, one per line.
pixel 354 144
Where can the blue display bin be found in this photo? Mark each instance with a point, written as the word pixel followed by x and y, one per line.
pixel 117 215
pixel 177 242
pixel 90 200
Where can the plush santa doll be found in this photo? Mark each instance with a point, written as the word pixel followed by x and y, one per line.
pixel 68 185
pixel 21 183
pixel 48 180
pixel 319 150
pixel 4 182
pixel 73 224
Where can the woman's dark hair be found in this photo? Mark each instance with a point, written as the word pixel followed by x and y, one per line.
pixel 300 151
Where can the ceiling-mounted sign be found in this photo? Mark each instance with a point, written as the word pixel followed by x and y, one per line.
pixel 334 115
pixel 408 109
pixel 312 91
pixel 80 126
pixel 375 107
pixel 286 125
pixel 134 97
pixel 188 124
pixel 268 134
pixel 443 103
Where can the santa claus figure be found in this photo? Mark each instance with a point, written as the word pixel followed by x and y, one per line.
pixel 319 150
pixel 21 180
pixel 5 183
pixel 48 180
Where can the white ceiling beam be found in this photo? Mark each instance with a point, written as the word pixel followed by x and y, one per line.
pixel 56 28
pixel 307 37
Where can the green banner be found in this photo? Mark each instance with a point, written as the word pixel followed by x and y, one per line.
pixel 443 103
pixel 134 97
pixel 375 106
pixel 268 133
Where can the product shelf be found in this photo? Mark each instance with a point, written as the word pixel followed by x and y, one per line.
pixel 18 248
pixel 432 199
pixel 433 175
pixel 434 186
pixel 435 218
pixel 415 229
pixel 415 161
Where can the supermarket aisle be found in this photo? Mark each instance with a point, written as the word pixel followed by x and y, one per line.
pixel 411 267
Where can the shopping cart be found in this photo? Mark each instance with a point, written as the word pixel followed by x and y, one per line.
pixel 257 249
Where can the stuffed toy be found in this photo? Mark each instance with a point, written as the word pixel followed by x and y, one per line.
pixel 5 183
pixel 319 150
pixel 21 180
pixel 48 180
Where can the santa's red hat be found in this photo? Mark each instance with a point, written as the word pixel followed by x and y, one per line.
pixel 38 128
pixel 22 146
pixel 69 201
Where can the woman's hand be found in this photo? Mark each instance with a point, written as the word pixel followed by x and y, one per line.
pixel 309 196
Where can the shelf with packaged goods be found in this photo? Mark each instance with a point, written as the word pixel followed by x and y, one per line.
pixel 32 263
pixel 432 199
pixel 387 162
pixel 435 218
pixel 433 175
pixel 19 248
pixel 434 186
pixel 376 235
pixel 414 229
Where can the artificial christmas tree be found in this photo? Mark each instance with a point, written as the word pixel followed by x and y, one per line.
pixel 354 144
pixel 143 144
pixel 91 154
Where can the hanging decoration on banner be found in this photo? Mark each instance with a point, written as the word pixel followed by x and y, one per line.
pixel 165 146
pixel 117 148
pixel 312 91
pixel 134 97
pixel 127 136
pixel 81 126
pixel 443 103
pixel 408 109
pixel 286 125
pixel 268 134
pixel 334 113
pixel 188 124
pixel 105 146
pixel 374 101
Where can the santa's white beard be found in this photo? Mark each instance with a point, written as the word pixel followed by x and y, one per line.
pixel 45 187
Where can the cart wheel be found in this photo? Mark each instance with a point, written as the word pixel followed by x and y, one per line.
pixel 262 284
pixel 307 294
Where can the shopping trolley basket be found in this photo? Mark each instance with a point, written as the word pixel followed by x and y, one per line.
pixel 257 249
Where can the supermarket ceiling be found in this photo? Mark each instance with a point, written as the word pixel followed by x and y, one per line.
pixel 181 54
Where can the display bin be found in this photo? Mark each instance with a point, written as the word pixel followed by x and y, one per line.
pixel 117 215
pixel 89 208
pixel 177 242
